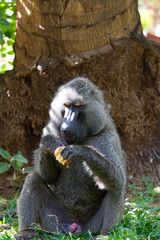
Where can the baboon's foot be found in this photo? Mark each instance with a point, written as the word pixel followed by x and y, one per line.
pixel 26 234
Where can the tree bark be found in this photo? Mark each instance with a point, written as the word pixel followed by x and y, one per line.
pixel 66 28
pixel 58 40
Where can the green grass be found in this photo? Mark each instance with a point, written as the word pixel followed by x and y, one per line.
pixel 141 219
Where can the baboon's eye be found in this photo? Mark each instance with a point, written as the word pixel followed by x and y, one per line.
pixel 67 104
pixel 77 104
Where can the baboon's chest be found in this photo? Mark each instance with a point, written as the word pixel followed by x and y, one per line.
pixel 77 193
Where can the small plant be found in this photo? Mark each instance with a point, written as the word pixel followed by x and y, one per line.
pixel 15 161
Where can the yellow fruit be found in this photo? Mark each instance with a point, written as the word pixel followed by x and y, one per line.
pixel 59 158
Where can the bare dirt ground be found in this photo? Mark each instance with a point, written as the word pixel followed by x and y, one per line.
pixel 8 187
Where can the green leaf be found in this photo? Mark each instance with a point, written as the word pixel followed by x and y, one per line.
pixel 1 36
pixel 15 165
pixel 9 42
pixel 4 167
pixel 19 158
pixel 4 22
pixel 3 67
pixel 3 49
pixel 10 52
pixel 19 164
pixel 8 156
pixel 3 55
pixel 3 153
pixel 1 15
pixel 19 153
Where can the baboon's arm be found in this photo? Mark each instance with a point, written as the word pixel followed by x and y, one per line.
pixel 44 159
pixel 103 159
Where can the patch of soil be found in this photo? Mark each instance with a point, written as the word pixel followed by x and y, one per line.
pixel 8 186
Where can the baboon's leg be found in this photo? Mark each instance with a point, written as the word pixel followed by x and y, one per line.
pixel 107 216
pixel 37 204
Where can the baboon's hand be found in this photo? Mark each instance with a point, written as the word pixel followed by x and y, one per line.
pixel 71 152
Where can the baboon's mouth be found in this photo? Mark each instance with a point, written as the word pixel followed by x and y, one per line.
pixel 69 139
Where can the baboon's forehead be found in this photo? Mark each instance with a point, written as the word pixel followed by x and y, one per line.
pixel 73 96
pixel 83 88
pixel 80 91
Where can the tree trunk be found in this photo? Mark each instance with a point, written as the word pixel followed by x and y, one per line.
pixel 101 39
pixel 67 28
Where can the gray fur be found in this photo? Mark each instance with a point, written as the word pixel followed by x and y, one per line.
pixel 89 192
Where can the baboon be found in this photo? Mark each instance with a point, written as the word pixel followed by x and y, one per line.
pixel 89 195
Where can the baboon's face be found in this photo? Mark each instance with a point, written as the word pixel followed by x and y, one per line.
pixel 77 112
pixel 74 124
